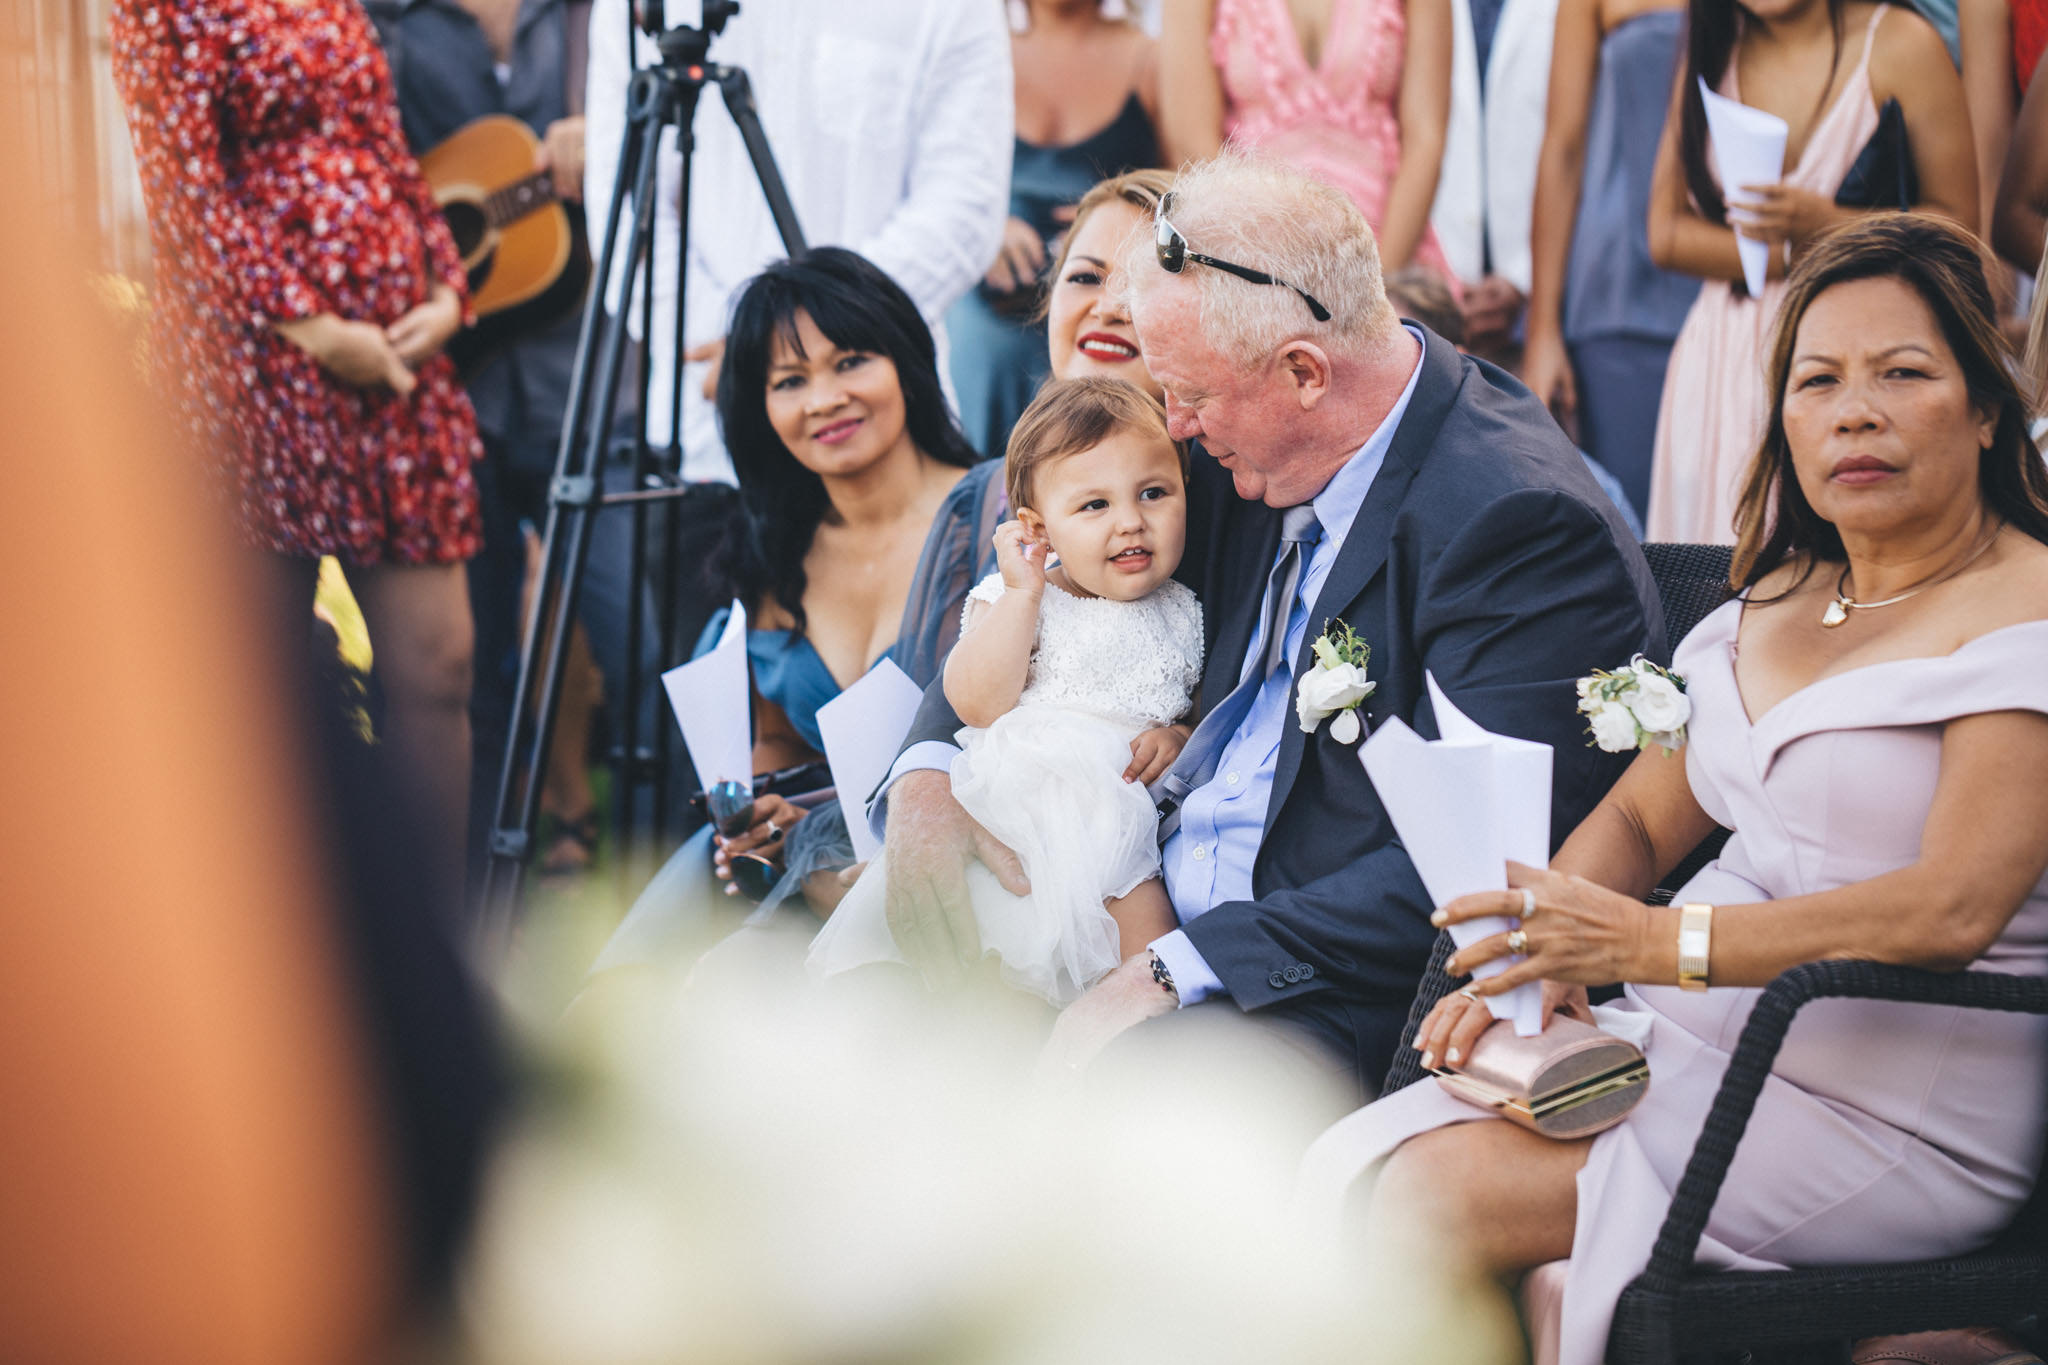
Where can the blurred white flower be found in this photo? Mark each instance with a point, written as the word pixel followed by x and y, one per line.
pixel 758 1168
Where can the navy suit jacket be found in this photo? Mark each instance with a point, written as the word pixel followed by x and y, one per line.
pixel 1484 554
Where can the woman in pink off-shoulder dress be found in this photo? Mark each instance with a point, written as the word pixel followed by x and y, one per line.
pixel 1355 92
pixel 1882 776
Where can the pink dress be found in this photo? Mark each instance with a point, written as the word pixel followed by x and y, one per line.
pixel 1886 1131
pixel 1714 406
pixel 1337 120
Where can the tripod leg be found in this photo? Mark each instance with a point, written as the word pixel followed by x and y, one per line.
pixel 573 500
pixel 739 102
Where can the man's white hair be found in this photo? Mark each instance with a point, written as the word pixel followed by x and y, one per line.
pixel 1262 213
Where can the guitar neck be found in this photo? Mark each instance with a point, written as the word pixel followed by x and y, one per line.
pixel 520 198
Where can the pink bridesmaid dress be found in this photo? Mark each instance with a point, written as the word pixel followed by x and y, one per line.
pixel 1886 1131
pixel 1714 406
pixel 1338 119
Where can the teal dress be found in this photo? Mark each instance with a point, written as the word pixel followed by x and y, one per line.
pixel 997 345
pixel 958 553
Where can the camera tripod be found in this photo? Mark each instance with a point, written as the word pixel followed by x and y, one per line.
pixel 661 96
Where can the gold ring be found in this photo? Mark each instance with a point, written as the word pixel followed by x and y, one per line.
pixel 1528 903
pixel 1470 991
pixel 1518 942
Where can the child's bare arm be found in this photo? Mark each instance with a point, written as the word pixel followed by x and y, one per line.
pixel 985 673
pixel 1142 916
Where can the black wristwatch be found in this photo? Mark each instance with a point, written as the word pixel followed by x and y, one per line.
pixel 1164 978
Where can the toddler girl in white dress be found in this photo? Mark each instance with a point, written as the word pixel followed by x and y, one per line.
pixel 1070 677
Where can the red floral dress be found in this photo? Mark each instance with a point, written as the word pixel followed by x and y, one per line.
pixel 279 186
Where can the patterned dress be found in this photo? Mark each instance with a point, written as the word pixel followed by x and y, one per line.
pixel 279 186
pixel 1338 120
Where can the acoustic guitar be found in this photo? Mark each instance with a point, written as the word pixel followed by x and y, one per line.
pixel 527 256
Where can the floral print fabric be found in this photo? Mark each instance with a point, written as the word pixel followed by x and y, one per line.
pixel 279 186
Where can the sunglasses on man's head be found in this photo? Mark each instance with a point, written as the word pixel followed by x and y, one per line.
pixel 1173 253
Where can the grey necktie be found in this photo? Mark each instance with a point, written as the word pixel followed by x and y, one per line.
pixel 1299 531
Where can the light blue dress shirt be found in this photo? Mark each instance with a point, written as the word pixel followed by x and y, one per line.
pixel 1208 860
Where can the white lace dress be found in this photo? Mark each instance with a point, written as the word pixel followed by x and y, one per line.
pixel 1048 780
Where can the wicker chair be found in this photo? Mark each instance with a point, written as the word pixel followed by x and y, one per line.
pixel 1673 1312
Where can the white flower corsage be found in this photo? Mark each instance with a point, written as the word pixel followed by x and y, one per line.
pixel 1335 685
pixel 1635 706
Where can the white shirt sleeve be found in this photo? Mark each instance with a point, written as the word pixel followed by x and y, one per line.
pixel 1193 979
pixel 945 232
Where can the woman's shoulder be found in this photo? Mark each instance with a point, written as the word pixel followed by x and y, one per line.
pixel 2011 588
pixel 1905 51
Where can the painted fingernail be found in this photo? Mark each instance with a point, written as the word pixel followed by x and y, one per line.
pixel 1452 1056
pixel 1428 1060
pixel 1437 919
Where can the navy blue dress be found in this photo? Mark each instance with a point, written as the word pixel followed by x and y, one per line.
pixel 1621 312
pixel 998 346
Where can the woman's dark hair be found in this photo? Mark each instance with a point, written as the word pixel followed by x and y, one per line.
pixel 858 308
pixel 1711 29
pixel 1943 264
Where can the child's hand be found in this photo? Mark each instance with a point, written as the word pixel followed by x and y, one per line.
pixel 1020 558
pixel 1153 752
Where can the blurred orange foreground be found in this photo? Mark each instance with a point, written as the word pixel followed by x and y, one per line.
pixel 187 1167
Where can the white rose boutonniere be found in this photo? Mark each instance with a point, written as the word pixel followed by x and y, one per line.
pixel 1635 706
pixel 1335 684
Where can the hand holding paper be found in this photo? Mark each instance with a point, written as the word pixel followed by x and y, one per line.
pixel 1464 806
pixel 714 707
pixel 1749 149
pixel 863 727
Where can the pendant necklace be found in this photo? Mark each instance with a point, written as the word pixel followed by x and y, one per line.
pixel 1838 610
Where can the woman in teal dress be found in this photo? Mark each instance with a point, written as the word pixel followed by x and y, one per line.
pixel 846 454
pixel 1087 100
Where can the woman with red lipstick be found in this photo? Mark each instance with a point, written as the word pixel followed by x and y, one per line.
pixel 1088 329
pixel 1870 718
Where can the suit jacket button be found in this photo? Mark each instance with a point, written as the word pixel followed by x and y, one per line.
pixel 1308 969
pixel 1276 981
pixel 1291 975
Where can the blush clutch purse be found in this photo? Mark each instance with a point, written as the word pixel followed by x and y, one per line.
pixel 1569 1081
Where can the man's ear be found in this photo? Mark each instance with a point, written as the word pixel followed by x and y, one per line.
pixel 1307 366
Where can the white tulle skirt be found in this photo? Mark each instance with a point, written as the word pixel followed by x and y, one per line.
pixel 1049 783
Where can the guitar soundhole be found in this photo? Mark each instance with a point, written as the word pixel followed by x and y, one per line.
pixel 468 224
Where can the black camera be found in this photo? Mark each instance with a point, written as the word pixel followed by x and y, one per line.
pixel 708 15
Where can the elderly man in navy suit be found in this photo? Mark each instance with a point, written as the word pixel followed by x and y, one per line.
pixel 1359 473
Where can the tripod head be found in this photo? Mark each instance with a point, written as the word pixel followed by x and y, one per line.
pixel 710 18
